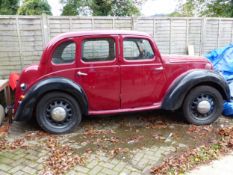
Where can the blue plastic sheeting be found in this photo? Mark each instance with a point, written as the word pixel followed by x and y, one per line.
pixel 222 60
pixel 228 108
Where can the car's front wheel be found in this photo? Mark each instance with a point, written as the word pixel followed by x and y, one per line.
pixel 203 105
pixel 58 113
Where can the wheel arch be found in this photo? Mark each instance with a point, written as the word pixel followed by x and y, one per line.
pixel 183 85
pixel 214 85
pixel 43 87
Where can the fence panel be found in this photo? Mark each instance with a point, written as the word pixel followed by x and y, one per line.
pixel 22 38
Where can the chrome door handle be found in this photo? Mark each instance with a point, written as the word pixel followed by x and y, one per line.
pixel 159 68
pixel 79 73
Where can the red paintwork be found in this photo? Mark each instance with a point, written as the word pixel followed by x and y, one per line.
pixel 118 85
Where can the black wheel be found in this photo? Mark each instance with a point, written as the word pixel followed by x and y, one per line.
pixel 58 113
pixel 203 105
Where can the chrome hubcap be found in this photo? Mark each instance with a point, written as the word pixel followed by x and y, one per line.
pixel 203 107
pixel 58 114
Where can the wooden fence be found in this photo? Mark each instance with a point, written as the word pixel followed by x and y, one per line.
pixel 22 38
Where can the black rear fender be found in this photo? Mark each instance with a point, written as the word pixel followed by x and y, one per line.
pixel 177 92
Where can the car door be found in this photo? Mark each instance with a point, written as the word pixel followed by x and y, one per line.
pixel 98 71
pixel 142 75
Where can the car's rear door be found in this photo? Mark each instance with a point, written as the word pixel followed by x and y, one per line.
pixel 142 73
pixel 98 71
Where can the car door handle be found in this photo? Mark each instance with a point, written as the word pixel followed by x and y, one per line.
pixel 79 73
pixel 159 68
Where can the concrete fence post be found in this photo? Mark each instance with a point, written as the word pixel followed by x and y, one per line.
pixel 218 36
pixel 170 36
pixel 44 27
pixel 232 30
pixel 70 24
pixel 19 42
pixel 202 38
pixel 113 22
pixel 154 27
pixel 132 23
pixel 92 23
pixel 187 33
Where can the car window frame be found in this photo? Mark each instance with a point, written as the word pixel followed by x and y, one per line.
pixel 57 45
pixel 123 37
pixel 98 37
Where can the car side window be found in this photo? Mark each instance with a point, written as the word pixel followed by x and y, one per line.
pixel 98 49
pixel 137 49
pixel 64 53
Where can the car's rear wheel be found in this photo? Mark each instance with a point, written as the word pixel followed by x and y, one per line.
pixel 58 113
pixel 203 105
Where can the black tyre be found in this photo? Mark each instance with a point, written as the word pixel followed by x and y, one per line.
pixel 58 113
pixel 203 105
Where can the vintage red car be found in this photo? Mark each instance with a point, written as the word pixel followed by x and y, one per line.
pixel 107 72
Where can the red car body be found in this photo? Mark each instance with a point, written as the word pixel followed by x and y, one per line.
pixel 118 85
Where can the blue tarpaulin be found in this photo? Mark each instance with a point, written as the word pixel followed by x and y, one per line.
pixel 222 60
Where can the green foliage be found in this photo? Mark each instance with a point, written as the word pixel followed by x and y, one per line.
pixel 34 7
pixel 124 8
pixel 70 9
pixel 114 8
pixel 8 7
pixel 101 7
pixel 219 8
pixel 209 8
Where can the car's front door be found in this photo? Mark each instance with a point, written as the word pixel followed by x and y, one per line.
pixel 98 71
pixel 142 75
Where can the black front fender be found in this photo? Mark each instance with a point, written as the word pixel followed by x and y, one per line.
pixel 27 106
pixel 175 96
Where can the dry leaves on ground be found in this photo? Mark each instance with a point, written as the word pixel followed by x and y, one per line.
pixel 36 135
pixel 118 151
pixel 199 130
pixel 93 132
pixel 62 157
pixel 16 144
pixel 158 137
pixel 4 129
pixel 179 164
pixel 156 125
pixel 135 139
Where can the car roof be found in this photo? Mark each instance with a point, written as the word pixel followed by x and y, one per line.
pixel 95 32
pixel 102 32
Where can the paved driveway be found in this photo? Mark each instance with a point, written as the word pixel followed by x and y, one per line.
pixel 126 144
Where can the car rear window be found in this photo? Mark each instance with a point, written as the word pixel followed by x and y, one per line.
pixel 64 53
